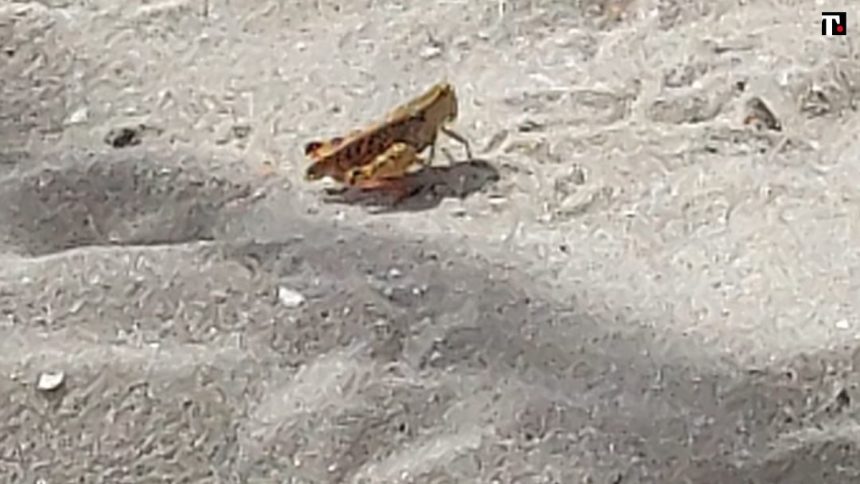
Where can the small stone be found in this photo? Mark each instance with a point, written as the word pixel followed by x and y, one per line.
pixel 842 324
pixel 124 136
pixel 458 211
pixel 240 131
pixel 258 194
pixel 79 116
pixel 430 52
pixel 50 381
pixel 290 298
pixel 394 273
pixel 761 116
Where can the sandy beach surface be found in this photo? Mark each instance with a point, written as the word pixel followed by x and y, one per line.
pixel 648 272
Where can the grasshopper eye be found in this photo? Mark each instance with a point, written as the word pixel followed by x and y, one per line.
pixel 312 147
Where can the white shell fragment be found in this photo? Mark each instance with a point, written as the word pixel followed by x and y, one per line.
pixel 290 298
pixel 50 381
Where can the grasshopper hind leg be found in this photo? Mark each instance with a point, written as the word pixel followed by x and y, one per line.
pixel 387 171
pixel 392 163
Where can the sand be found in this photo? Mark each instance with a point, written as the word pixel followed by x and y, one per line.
pixel 628 284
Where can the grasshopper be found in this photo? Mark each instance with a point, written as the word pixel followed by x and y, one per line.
pixel 380 155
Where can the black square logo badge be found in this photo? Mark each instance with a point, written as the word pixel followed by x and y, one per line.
pixel 834 23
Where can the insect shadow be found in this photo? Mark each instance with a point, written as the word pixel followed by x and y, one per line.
pixel 425 189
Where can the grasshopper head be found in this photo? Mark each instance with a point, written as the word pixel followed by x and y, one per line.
pixel 318 149
pixel 318 152
pixel 316 171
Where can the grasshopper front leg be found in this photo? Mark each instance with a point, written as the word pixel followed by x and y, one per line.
pixel 458 138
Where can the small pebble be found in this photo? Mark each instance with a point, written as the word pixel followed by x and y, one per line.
pixel 258 194
pixel 458 211
pixel 842 324
pixel 430 52
pixel 79 116
pixel 290 298
pixel 50 381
